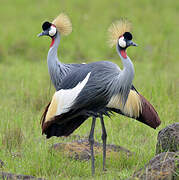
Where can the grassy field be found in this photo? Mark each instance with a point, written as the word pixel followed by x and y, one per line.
pixel 26 89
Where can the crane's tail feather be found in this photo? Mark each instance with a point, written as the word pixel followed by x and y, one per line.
pixel 42 120
pixel 136 107
pixel 61 125
pixel 64 128
pixel 148 114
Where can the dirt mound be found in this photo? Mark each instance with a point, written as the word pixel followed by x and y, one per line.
pixel 80 149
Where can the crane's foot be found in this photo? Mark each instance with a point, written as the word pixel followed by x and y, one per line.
pixel 104 169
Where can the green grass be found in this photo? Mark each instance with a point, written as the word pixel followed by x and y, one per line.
pixel 26 89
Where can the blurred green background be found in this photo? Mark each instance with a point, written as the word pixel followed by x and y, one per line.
pixel 26 88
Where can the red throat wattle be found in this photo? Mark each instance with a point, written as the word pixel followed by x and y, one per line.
pixel 123 53
pixel 53 40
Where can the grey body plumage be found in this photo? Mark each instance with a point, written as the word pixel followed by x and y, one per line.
pixel 106 80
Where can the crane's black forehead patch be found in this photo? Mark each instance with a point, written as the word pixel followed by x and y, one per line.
pixel 46 25
pixel 127 36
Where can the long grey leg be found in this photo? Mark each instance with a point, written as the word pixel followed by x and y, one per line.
pixel 104 138
pixel 91 141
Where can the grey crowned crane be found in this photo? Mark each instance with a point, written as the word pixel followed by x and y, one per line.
pixel 97 89
pixel 59 27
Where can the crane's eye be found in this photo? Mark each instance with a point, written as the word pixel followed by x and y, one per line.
pixel 122 42
pixel 52 31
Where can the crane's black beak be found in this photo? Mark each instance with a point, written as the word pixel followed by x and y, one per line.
pixel 44 33
pixel 131 43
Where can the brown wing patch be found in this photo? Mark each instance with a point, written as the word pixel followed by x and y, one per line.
pixel 49 113
pixel 42 120
pixel 148 115
pixel 136 107
pixel 64 124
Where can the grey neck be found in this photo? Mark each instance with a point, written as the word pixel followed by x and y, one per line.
pixel 52 53
pixel 126 76
pixel 54 65
pixel 128 69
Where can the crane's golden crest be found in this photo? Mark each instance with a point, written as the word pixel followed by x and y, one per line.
pixel 116 30
pixel 63 24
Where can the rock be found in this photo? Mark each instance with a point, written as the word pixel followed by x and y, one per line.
pixel 168 139
pixel 80 149
pixel 8 176
pixel 164 166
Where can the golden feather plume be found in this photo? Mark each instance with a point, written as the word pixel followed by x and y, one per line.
pixel 117 29
pixel 133 106
pixel 63 24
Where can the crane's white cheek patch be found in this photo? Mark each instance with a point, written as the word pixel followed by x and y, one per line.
pixel 52 31
pixel 122 42
pixel 64 99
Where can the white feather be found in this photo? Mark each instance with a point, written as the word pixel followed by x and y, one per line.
pixel 66 97
pixel 52 31
pixel 122 42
